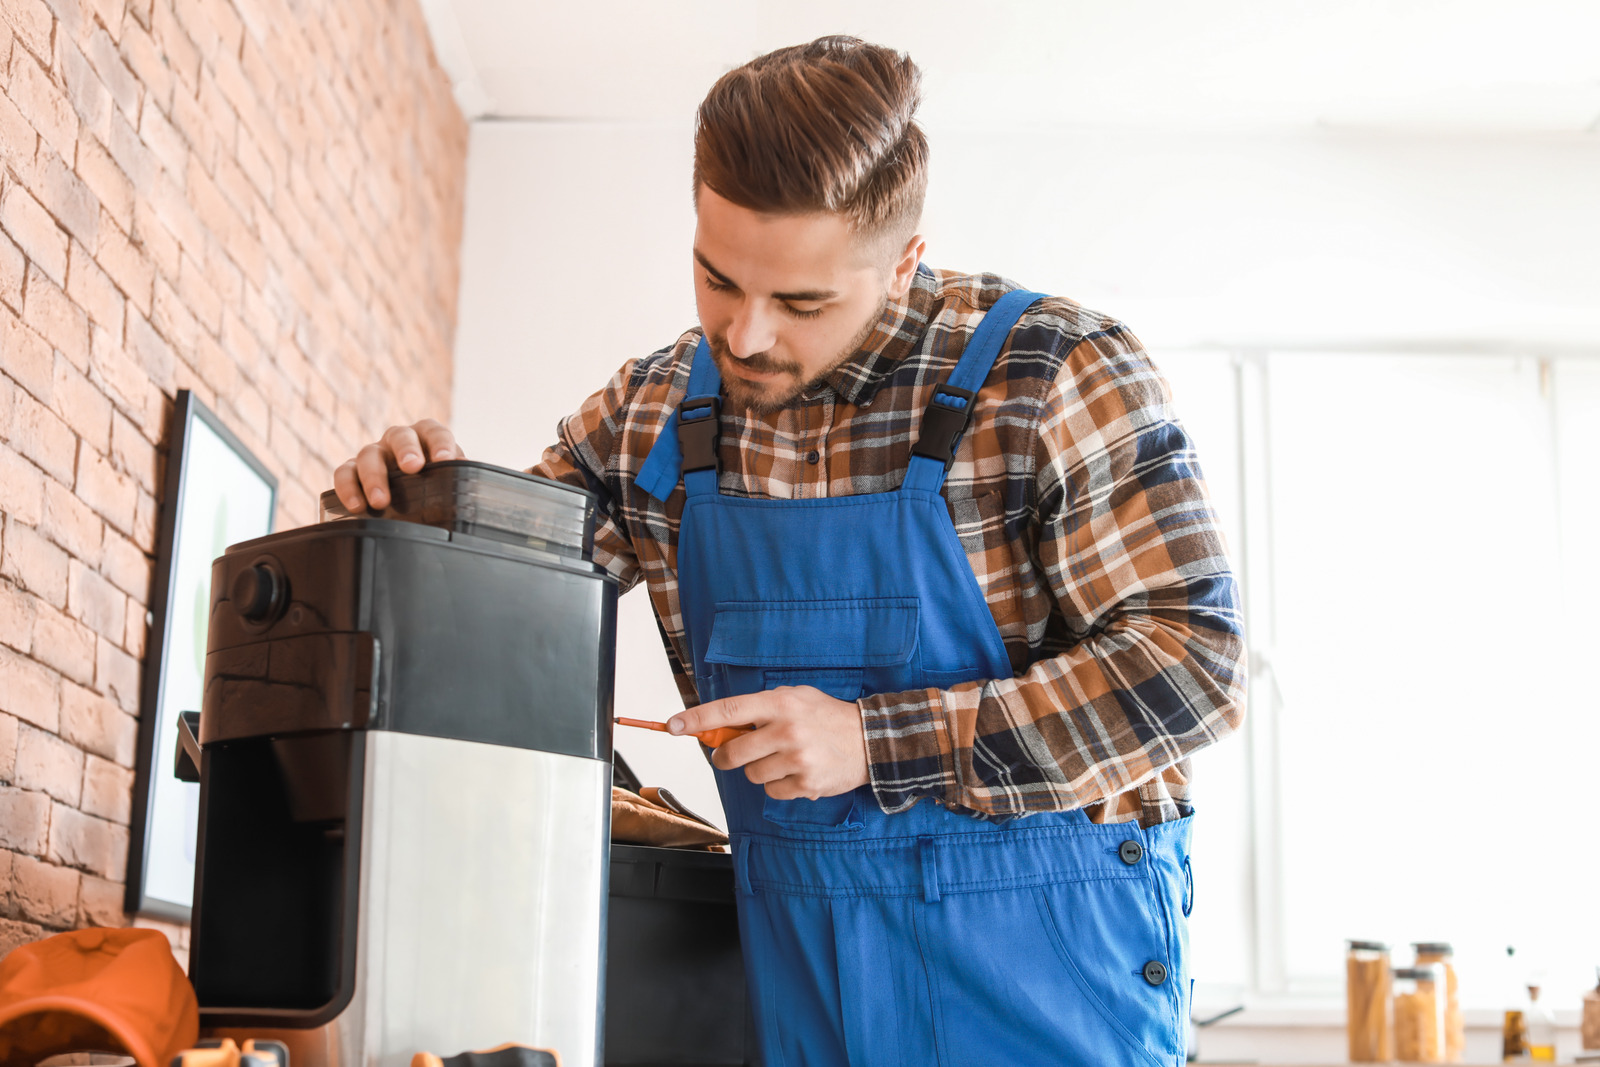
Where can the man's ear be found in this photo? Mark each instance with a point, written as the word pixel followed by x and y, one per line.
pixel 905 268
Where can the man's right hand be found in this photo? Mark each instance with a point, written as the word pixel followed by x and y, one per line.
pixel 365 479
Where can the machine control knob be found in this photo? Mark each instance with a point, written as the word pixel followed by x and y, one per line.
pixel 257 593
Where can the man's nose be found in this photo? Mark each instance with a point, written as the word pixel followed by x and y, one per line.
pixel 751 331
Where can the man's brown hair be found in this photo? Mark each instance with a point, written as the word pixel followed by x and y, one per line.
pixel 826 126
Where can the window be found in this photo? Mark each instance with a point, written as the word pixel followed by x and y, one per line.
pixel 1416 535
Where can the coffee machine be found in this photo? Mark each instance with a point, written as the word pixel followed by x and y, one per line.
pixel 404 756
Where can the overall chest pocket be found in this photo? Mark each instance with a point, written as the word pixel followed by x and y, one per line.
pixel 845 648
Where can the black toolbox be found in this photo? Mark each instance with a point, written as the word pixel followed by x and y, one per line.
pixel 675 991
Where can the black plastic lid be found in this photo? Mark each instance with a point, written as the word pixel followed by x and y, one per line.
pixel 1433 948
pixel 1367 946
pixel 483 500
pixel 1421 974
pixel 678 874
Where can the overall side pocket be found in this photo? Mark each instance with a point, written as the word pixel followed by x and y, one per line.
pixel 1133 1012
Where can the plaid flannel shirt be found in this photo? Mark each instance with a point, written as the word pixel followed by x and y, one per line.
pixel 1084 515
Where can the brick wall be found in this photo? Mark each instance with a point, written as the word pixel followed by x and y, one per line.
pixel 259 200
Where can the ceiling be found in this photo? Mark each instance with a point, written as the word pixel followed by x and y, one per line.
pixel 1453 66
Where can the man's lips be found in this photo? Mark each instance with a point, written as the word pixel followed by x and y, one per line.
pixel 749 374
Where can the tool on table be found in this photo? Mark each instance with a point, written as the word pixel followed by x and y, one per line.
pixel 709 738
pixel 404 763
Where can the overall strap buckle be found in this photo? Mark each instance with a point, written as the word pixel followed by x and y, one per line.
pixel 943 423
pixel 699 425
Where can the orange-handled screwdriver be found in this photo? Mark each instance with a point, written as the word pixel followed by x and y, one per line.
pixel 709 738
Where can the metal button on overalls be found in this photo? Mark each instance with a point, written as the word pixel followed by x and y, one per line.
pixel 926 936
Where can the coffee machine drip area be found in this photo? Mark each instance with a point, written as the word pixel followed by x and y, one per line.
pixel 404 762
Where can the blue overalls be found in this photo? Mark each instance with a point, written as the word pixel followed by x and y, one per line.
pixel 924 937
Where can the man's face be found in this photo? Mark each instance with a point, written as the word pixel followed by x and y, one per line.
pixel 784 299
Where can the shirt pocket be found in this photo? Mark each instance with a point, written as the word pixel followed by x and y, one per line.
pixel 845 648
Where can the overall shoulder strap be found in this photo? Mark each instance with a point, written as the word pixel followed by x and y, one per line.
pixel 687 444
pixel 950 409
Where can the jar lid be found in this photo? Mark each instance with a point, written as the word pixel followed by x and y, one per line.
pixel 1424 974
pixel 1433 948
pixel 1367 946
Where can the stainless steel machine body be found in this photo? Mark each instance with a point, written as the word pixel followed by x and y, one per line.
pixel 525 892
pixel 404 766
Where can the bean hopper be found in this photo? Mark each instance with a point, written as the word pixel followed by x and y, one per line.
pixel 404 764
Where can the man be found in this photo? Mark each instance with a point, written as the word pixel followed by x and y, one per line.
pixel 943 544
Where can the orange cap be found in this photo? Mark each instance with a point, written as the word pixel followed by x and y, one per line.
pixel 96 990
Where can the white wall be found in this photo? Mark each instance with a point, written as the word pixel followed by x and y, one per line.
pixel 1194 238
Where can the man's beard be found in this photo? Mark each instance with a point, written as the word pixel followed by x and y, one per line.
pixel 764 399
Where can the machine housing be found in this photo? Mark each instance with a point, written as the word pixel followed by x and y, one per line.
pixel 405 781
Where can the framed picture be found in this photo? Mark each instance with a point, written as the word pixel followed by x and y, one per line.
pixel 216 494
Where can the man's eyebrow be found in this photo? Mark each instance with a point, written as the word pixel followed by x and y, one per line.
pixel 806 296
pixel 802 296
pixel 714 272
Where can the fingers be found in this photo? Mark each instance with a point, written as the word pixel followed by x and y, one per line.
pixel 403 448
pixel 808 744
pixel 731 711
pixel 372 472
pixel 747 748
pixel 787 775
pixel 364 480
pixel 348 485
pixel 771 770
pixel 791 787
pixel 438 440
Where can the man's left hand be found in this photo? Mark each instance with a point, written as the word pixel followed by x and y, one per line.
pixel 805 743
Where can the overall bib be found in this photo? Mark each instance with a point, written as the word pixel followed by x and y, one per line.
pixel 924 937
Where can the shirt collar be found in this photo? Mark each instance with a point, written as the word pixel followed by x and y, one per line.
pixel 898 331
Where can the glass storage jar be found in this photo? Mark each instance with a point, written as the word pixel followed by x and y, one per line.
pixel 1419 1009
pixel 1368 1022
pixel 1455 1027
